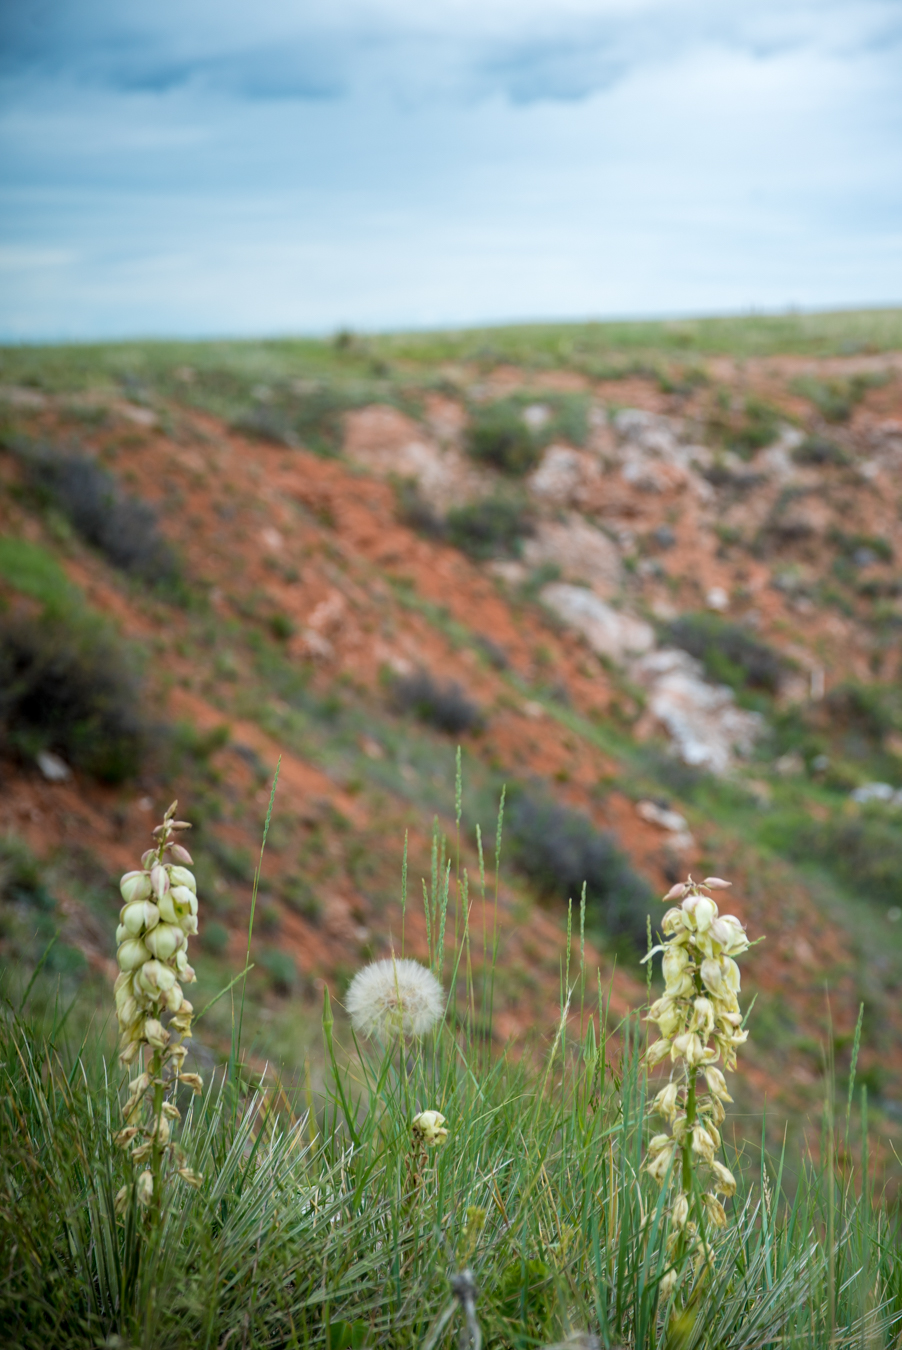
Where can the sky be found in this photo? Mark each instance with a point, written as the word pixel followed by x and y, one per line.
pixel 230 167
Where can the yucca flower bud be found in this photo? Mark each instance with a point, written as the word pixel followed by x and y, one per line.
pixel 665 1103
pixel 138 916
pixel 659 1165
pixel 180 854
pixel 702 1143
pixel 715 1210
pixel 131 954
pixel 193 1081
pixel 155 1035
pixel 657 1052
pixel 726 1182
pixel 680 1212
pixel 145 1188
pixel 154 977
pixel 135 886
pixel 159 881
pixel 192 1178
pixel 180 876
pixel 164 940
pixel 429 1127
pixel 717 1084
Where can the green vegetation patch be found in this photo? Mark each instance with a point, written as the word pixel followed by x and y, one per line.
pixel 493 527
pixel 729 652
pixel 33 571
pixel 560 850
pixel 836 400
pixel 510 433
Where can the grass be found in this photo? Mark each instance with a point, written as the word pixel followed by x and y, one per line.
pixel 321 1222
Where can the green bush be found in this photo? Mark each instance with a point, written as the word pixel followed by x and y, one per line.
pixel 560 849
pixel 760 426
pixel 864 851
pixel 819 450
pixel 67 686
pixel 445 707
pixel 490 528
pixel 122 527
pixel 498 435
pixel 281 969
pixel 729 652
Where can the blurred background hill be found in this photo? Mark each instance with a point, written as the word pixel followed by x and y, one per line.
pixel 644 576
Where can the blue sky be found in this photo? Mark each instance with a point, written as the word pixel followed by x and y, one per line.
pixel 198 167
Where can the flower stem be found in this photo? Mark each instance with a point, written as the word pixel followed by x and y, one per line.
pixel 156 1073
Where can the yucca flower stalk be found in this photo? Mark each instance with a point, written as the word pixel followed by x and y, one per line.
pixel 700 1023
pixel 155 922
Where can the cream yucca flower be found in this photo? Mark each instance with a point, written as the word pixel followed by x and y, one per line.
pixel 158 916
pixel 395 997
pixel 700 1023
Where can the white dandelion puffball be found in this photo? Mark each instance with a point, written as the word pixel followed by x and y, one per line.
pixel 394 997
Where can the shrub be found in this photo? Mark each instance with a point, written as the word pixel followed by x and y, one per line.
pixel 728 651
pixel 490 528
pixel 819 450
pixel 65 685
pixel 443 706
pixel 759 427
pixel 499 435
pixel 559 849
pixel 123 528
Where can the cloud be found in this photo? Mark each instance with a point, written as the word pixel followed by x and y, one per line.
pixel 459 49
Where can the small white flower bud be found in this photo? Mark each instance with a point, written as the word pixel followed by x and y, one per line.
pixel 194 1179
pixel 125 1137
pixel 121 1202
pixel 181 854
pixel 148 857
pixel 659 1163
pixel 666 1101
pixel 680 1212
pixel 674 962
pixel 159 881
pixel 135 886
pixel 715 1211
pixel 676 892
pixel 180 876
pixel 702 1143
pixel 139 916
pixel 145 1188
pixel 713 976
pixel 429 1126
pixel 193 1081
pixel 667 1284
pixel 717 1084
pixel 154 977
pixel 131 954
pixel 716 884
pixel 155 1034
pixel 164 941
pixel 726 1182
pixel 657 1052
pixel 174 998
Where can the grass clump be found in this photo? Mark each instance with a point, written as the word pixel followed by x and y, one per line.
pixel 32 571
pixel 729 652
pixel 560 851
pixel 492 527
pixel 67 686
pixel 445 707
pixel 836 400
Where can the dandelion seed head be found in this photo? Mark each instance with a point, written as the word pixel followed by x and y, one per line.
pixel 394 997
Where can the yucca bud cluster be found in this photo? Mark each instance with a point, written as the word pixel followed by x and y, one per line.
pixel 155 922
pixel 700 1023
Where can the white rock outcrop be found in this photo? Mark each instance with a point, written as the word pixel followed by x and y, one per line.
pixel 608 631
pixel 707 728
pixel 580 551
